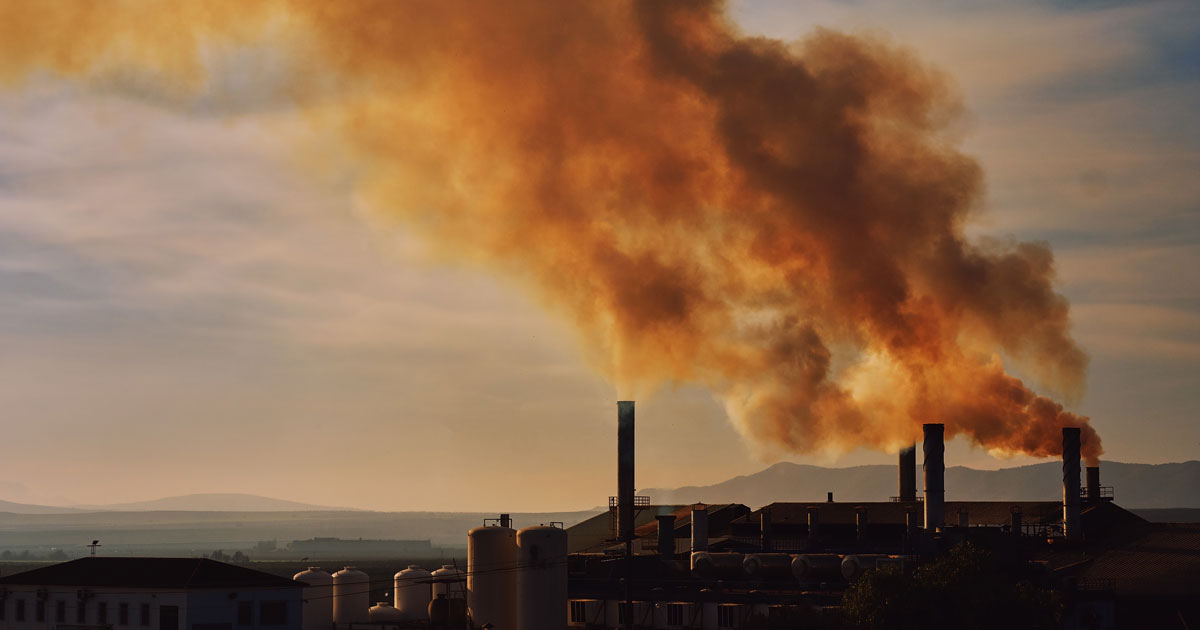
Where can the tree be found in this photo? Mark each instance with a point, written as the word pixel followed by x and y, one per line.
pixel 968 589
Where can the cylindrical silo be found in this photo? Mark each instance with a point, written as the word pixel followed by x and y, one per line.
pixel 815 567
pixel 767 566
pixel 384 613
pixel 855 565
pixel 448 581
pixel 542 580
pixel 351 596
pixel 412 593
pixel 492 561
pixel 317 606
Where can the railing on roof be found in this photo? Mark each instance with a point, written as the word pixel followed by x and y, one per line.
pixel 1106 493
pixel 638 502
pixel 918 499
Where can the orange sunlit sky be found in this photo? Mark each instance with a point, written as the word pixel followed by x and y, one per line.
pixel 200 290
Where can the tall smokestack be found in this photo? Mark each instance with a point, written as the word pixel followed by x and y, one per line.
pixel 1070 468
pixel 935 475
pixel 699 527
pixel 666 535
pixel 1093 484
pixel 625 469
pixel 908 473
pixel 814 529
pixel 764 530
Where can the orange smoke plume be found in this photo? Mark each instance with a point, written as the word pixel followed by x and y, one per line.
pixel 782 224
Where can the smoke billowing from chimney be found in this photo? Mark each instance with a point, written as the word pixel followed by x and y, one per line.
pixel 781 223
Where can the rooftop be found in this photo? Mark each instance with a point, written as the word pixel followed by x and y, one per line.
pixel 161 573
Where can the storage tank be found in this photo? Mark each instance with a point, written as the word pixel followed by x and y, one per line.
pixel 813 567
pixel 412 593
pixel 492 561
pixel 855 565
pixel 542 580
pixel 767 566
pixel 384 612
pixel 317 607
pixel 707 564
pixel 448 581
pixel 351 596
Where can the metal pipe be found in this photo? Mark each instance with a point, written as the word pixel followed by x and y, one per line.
pixel 699 527
pixel 625 462
pixel 860 524
pixel 1093 484
pixel 908 473
pixel 934 448
pixel 764 529
pixel 666 535
pixel 1070 470
pixel 814 529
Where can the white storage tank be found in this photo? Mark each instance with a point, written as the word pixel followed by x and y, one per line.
pixel 385 613
pixel 492 562
pixel 317 607
pixel 814 567
pixel 542 580
pixel 412 593
pixel 351 596
pixel 708 564
pixel 767 566
pixel 448 582
pixel 854 566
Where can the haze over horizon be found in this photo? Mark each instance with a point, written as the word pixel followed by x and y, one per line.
pixel 191 304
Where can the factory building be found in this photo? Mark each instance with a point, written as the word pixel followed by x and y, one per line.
pixel 148 593
pixel 727 566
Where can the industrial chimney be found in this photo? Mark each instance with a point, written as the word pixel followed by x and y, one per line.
pixel 1093 484
pixel 699 527
pixel 908 473
pixel 1070 468
pixel 935 475
pixel 666 535
pixel 625 470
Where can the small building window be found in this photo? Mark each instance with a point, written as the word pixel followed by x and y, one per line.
pixel 60 611
pixel 81 612
pixel 726 616
pixel 20 610
pixel 102 613
pixel 39 611
pixel 145 616
pixel 674 614
pixel 3 608
pixel 245 613
pixel 272 613
pixel 578 611
pixel 123 614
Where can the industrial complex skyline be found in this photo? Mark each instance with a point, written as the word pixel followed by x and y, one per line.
pixel 200 296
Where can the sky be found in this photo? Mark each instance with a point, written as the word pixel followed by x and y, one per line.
pixel 189 303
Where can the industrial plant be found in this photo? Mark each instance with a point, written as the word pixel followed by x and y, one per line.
pixel 642 565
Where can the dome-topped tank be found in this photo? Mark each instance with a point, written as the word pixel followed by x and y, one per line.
pixel 317 606
pixel 384 612
pixel 542 580
pixel 492 576
pixel 449 581
pixel 351 596
pixel 413 593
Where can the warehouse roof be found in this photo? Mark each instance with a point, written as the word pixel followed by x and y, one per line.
pixel 170 573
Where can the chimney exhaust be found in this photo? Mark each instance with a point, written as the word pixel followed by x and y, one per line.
pixel 764 530
pixel 1093 484
pixel 1070 469
pixel 934 448
pixel 908 473
pixel 625 463
pixel 666 535
pixel 699 527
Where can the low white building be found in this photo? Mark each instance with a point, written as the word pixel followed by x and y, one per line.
pixel 148 594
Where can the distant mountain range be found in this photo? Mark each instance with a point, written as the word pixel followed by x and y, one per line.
pixel 231 502
pixel 1134 485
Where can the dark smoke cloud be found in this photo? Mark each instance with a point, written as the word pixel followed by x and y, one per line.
pixel 782 223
